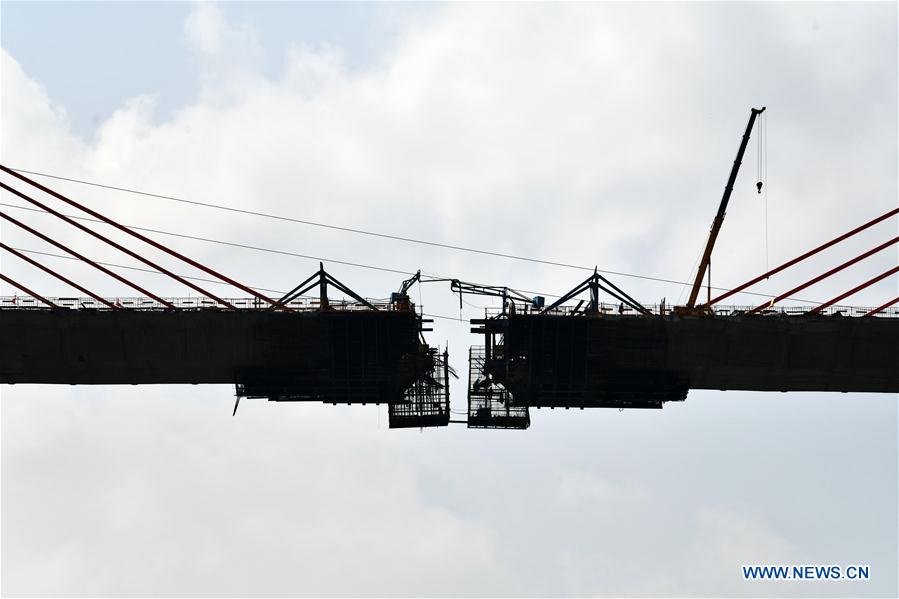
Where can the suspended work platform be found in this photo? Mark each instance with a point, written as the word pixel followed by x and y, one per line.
pixel 489 403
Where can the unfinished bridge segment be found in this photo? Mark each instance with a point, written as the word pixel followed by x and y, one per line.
pixel 625 355
pixel 351 352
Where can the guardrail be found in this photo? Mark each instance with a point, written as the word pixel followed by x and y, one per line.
pixel 312 304
pixel 659 310
pixel 182 303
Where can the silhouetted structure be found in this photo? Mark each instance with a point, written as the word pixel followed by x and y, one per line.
pixel 321 350
pixel 296 348
pixel 625 355
pixel 426 401
pixel 489 404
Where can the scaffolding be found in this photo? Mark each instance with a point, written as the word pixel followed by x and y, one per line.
pixel 426 402
pixel 489 403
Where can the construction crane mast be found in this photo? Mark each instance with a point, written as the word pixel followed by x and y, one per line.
pixel 704 264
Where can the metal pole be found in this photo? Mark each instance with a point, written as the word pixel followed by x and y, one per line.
pixel 322 288
pixel 446 374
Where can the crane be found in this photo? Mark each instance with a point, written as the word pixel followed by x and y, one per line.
pixel 705 263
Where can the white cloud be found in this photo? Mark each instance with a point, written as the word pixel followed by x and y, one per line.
pixel 205 29
pixel 583 133
pixel 33 128
pixel 229 55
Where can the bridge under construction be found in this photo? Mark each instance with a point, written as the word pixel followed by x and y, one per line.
pixel 349 354
pixel 595 347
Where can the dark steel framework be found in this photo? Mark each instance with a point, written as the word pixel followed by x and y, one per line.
pixel 489 403
pixel 556 357
pixel 593 285
pixel 355 353
pixel 426 402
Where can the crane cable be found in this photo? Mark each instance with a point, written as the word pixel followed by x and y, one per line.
pixel 765 158
pixel 762 173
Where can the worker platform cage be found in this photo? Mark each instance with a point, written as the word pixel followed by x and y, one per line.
pixel 426 402
pixel 489 403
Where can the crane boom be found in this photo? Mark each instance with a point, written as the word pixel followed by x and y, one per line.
pixel 719 218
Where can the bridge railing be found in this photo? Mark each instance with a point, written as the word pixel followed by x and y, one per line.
pixel 312 304
pixel 659 309
pixel 182 303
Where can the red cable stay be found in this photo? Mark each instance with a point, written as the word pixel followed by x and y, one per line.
pixel 116 245
pixel 27 290
pixel 883 307
pixel 879 277
pixel 48 270
pixel 798 259
pixel 102 269
pixel 830 272
pixel 143 238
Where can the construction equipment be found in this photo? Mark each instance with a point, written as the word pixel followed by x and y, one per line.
pixel 705 262
pixel 510 297
pixel 593 355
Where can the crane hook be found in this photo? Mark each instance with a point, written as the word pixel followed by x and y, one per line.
pixel 759 186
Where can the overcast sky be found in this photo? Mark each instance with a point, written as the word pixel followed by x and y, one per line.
pixel 588 134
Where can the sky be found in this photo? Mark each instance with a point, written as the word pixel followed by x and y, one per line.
pixel 586 134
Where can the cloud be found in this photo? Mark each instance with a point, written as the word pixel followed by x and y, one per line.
pixel 36 128
pixel 466 130
pixel 298 511
pixel 228 54
pixel 589 134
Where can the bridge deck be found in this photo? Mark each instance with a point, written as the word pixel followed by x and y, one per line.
pixel 355 354
pixel 338 355
pixel 644 361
